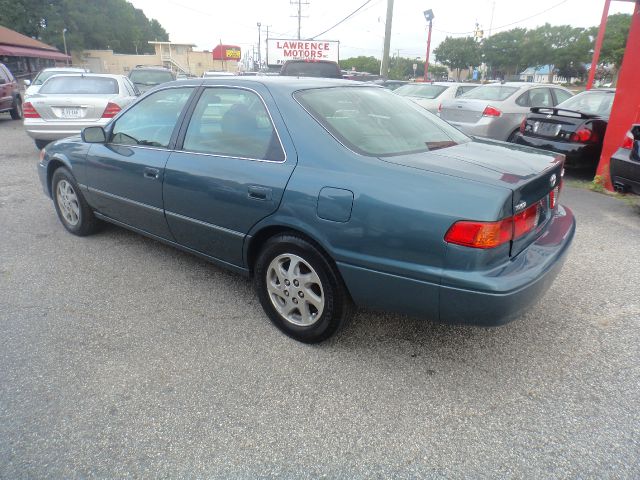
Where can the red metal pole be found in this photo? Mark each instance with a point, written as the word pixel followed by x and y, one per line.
pixel 426 65
pixel 596 52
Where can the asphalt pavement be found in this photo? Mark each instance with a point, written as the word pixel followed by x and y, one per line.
pixel 124 358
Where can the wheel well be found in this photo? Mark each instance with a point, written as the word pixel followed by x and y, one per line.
pixel 260 238
pixel 52 167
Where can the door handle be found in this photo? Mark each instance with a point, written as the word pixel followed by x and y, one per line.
pixel 259 193
pixel 152 173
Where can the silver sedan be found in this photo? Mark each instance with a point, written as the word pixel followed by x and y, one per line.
pixel 431 95
pixel 497 110
pixel 66 104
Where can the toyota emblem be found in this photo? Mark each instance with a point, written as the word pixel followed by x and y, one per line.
pixel 552 180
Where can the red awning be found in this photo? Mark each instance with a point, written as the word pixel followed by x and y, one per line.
pixel 13 51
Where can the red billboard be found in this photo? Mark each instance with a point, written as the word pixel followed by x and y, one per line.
pixel 226 52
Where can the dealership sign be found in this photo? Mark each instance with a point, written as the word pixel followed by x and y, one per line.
pixel 280 50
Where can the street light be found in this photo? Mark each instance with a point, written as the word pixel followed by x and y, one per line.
pixel 64 40
pixel 428 15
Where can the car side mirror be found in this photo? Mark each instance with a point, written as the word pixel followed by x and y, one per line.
pixel 94 135
pixel 27 83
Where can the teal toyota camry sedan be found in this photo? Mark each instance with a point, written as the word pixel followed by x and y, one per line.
pixel 326 193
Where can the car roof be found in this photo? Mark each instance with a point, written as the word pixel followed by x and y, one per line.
pixel 280 83
pixel 64 69
pixel 103 75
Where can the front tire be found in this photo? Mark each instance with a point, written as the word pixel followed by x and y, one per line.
pixel 300 289
pixel 71 206
pixel 16 112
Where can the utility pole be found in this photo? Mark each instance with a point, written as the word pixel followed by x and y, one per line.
pixel 64 40
pixel 266 42
pixel 428 15
pixel 299 4
pixel 387 40
pixel 259 47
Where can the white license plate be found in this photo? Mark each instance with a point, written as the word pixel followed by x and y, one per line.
pixel 546 129
pixel 71 113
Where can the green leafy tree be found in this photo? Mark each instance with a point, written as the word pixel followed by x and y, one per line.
pixel 94 24
pixel 458 53
pixel 615 39
pixel 503 52
pixel 361 64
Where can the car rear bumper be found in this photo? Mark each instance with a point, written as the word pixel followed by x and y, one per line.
pixel 486 298
pixel 577 155
pixel 39 129
pixel 488 127
pixel 625 172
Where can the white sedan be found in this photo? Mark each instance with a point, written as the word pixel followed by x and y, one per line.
pixel 66 104
pixel 431 95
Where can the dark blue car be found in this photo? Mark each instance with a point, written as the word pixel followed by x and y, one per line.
pixel 325 192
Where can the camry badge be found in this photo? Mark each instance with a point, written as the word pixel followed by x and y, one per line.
pixel 552 180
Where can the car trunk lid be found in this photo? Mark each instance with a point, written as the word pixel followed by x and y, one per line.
pixel 530 174
pixel 66 108
pixel 463 110
pixel 554 123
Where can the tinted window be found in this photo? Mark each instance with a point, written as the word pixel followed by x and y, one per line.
pixel 540 97
pixel 523 100
pixel 562 95
pixel 151 121
pixel 311 69
pixel 377 122
pixel 491 93
pixel 150 77
pixel 591 103
pixel 80 85
pixel 422 91
pixel 232 122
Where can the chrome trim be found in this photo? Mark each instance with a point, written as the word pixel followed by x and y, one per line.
pixel 205 224
pixel 270 118
pixel 125 200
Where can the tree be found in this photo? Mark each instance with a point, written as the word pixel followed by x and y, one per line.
pixel 503 52
pixel 615 39
pixel 361 64
pixel 96 24
pixel 458 53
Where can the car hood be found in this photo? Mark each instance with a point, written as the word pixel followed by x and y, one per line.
pixel 486 161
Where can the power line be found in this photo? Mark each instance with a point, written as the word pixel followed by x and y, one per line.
pixel 343 20
pixel 508 24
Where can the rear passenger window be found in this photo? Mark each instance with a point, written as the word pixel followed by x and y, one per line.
pixel 232 122
pixel 523 100
pixel 465 89
pixel 151 121
pixel 561 95
pixel 540 97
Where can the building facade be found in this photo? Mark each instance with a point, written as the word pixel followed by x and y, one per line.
pixel 25 56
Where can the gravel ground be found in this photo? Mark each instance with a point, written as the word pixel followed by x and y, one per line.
pixel 123 358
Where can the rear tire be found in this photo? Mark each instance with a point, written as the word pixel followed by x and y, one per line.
pixel 16 112
pixel 42 143
pixel 300 289
pixel 512 138
pixel 72 208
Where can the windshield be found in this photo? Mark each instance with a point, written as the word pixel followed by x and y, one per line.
pixel 377 122
pixel 150 77
pixel 80 85
pixel 422 91
pixel 490 93
pixel 43 76
pixel 591 103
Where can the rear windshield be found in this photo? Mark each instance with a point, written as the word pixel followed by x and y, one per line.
pixel 150 77
pixel 490 93
pixel 376 122
pixel 422 91
pixel 80 85
pixel 591 103
pixel 42 76
pixel 311 69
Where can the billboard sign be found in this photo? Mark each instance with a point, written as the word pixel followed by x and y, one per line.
pixel 280 50
pixel 226 52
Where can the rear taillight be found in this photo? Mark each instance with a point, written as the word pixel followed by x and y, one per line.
pixel 493 234
pixel 627 143
pixel 490 111
pixel 523 125
pixel 480 234
pixel 582 135
pixel 28 111
pixel 111 110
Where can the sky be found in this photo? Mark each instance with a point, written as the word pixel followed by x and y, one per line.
pixel 206 23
